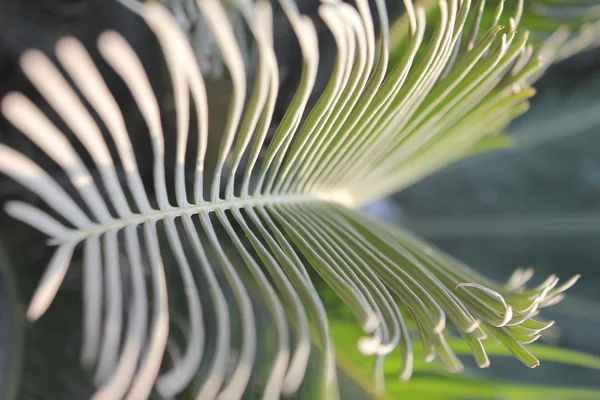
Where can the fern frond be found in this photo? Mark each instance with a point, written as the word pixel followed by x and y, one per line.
pixel 372 132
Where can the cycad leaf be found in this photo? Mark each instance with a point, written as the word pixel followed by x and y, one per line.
pixel 430 380
pixel 574 23
pixel 372 132
pixel 543 352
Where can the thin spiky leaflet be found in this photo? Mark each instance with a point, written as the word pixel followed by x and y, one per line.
pixel 372 132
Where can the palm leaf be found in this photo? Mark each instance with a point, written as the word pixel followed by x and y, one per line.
pixel 280 211
pixel 574 23
pixel 432 381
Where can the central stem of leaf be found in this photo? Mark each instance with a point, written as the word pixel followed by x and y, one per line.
pixel 77 235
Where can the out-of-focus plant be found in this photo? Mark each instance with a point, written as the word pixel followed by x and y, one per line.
pixel 271 207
